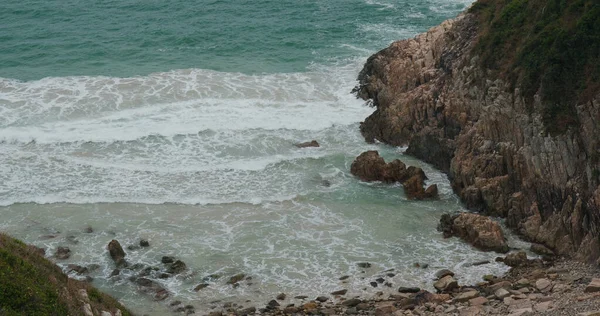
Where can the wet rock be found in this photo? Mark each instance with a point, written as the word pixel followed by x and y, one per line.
pixel 380 280
pixel 409 290
pixel 322 299
pixel 71 239
pixel 200 287
pixel 152 288
pixel 442 273
pixel 281 296
pixel 62 253
pixel 373 284
pixel 177 267
pixel 116 252
pixel 76 268
pixel 115 272
pixel 273 304
pixel 301 297
pixel 133 247
pixel 236 278
pixel 593 286
pixel 247 311
pixel 516 259
pixel 351 302
pixel 480 231
pixel 480 263
pixel 363 307
pixel 312 143
pixel 414 190
pixel 339 292
pixel 88 229
pixel 344 277
pixel 446 284
pixel 144 243
pixel 167 259
pixel 363 265
pixel 541 250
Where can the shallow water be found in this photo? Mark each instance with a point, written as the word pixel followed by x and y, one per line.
pixel 175 122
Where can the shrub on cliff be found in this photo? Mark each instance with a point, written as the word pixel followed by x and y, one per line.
pixel 32 285
pixel 546 46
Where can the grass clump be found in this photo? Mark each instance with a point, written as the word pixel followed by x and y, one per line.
pixel 546 46
pixel 32 285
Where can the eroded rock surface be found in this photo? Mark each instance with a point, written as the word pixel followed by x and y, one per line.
pixel 433 95
pixel 478 230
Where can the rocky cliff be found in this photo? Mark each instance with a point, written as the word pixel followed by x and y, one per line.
pixel 505 99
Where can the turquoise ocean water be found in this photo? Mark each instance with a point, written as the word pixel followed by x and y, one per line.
pixel 174 121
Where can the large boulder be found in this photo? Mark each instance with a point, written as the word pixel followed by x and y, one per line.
pixel 480 231
pixel 369 166
pixel 116 252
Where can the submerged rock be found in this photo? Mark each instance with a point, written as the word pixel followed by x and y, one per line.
pixel 62 253
pixel 312 143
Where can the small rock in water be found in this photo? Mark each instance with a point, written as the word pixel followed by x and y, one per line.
pixel 167 259
pixel 62 253
pixel 236 278
pixel 344 277
pixel 177 267
pixel 88 229
pixel 116 252
pixel 273 304
pixel 144 243
pixel 380 280
pixel 77 268
pixel 200 287
pixel 363 265
pixel 373 284
pixel 322 299
pixel 312 143
pixel 300 297
pixel 480 263
pixel 115 272
pixel 281 296
pixel 391 275
pixel 442 273
pixel 409 289
pixel 339 292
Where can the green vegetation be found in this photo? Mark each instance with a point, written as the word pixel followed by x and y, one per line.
pixel 32 285
pixel 550 46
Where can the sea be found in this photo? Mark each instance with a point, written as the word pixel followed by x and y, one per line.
pixel 175 122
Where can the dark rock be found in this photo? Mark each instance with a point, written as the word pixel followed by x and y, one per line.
pixel 88 229
pixel 408 289
pixel 77 268
pixel 72 240
pixel 177 267
pixel 322 299
pixel 62 253
pixel 344 277
pixel 380 280
pixel 144 243
pixel 116 252
pixel 363 265
pixel 281 296
pixel 480 263
pixel 373 284
pixel 247 311
pixel 236 278
pixel 152 288
pixel 167 259
pixel 351 302
pixel 516 259
pixel 312 143
pixel 339 292
pixel 301 297
pixel 174 303
pixel 391 275
pixel 442 273
pixel 273 303
pixel 541 250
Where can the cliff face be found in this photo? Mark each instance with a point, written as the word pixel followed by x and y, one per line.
pixel 511 144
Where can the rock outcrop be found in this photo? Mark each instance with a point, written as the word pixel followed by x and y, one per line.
pixel 369 166
pixel 480 231
pixel 502 153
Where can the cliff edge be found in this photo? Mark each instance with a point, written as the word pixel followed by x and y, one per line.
pixel 505 99
pixel 32 285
